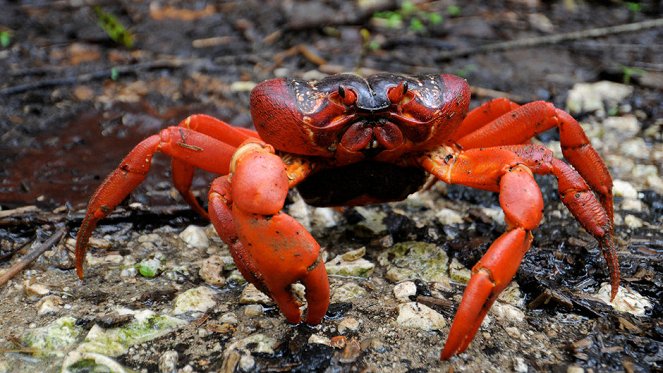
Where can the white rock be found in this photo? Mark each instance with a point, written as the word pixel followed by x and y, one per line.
pixel 229 318
pixel 627 300
pixel 625 127
pixel 211 270
pixel 448 217
pixel 348 292
pixel 404 290
pixel 622 188
pixel 299 210
pixel 588 97
pixel 198 299
pixel 253 310
pixel 348 324
pixel 251 295
pixel 325 217
pixel 631 204
pixel 195 237
pixel 494 213
pixel 519 365
pixel 633 221
pixel 635 148
pixel 357 268
pixel 35 289
pixel 49 305
pixel 168 361
pixel 507 312
pixel 319 339
pixel 418 316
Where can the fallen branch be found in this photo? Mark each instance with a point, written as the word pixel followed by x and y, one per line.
pixel 31 256
pixel 551 39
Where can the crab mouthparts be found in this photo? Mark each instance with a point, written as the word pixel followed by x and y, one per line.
pixel 371 137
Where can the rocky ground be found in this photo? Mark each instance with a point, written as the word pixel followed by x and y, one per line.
pixel 161 292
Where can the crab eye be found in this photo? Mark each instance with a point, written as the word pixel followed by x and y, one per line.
pixel 347 95
pixel 397 93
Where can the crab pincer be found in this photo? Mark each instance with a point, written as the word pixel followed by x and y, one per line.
pixel 271 249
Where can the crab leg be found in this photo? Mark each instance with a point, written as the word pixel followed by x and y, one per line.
pixel 521 124
pixel 578 198
pixel 484 114
pixel 520 198
pixel 213 127
pixel 184 144
pixel 271 249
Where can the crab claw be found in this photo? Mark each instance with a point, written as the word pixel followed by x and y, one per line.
pixel 271 249
pixel 490 276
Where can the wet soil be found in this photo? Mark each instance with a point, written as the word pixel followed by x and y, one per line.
pixel 74 103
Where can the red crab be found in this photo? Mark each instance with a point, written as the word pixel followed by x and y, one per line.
pixel 348 140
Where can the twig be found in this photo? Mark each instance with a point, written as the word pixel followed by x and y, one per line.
pixel 551 39
pixel 31 256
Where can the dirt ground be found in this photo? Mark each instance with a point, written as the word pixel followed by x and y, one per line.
pixel 75 101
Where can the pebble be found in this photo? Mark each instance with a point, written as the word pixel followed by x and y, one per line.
pixel 513 332
pixel 519 365
pixel 627 300
pixel 253 310
pixel 353 255
pixel 168 362
pixel 211 271
pixel 372 219
pixel 49 305
pixel 35 289
pixel 229 318
pixel 575 369
pixel 418 316
pixel 507 312
pixel 348 292
pixel 633 221
pixel 53 339
pixel 251 295
pixel 622 188
pixel 325 217
pixel 631 204
pixel 458 272
pixel 589 97
pixel 448 217
pixel 319 339
pixel 198 299
pixel 149 268
pixel 195 237
pixel 357 268
pixel 348 324
pixel 299 210
pixel 404 290
pixel 415 260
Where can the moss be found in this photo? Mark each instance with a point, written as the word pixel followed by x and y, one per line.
pixel 54 338
pixel 415 260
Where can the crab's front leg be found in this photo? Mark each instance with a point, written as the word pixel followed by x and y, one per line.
pixel 501 171
pixel 271 249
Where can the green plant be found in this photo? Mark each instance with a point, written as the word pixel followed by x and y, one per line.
pixel 113 27
pixel 5 38
pixel 409 13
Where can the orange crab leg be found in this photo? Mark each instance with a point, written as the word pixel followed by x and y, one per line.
pixel 497 170
pixel 484 114
pixel 215 128
pixel 521 124
pixel 184 144
pixel 578 198
pixel 271 249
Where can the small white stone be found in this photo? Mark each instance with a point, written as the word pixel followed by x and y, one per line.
pixel 624 189
pixel 348 292
pixel 36 289
pixel 168 361
pixel 575 369
pixel 357 268
pixel 319 339
pixel 195 237
pixel 495 213
pixel 229 318
pixel 198 299
pixel 211 270
pixel 633 221
pixel 448 217
pixel 251 295
pixel 404 290
pixel 519 365
pixel 253 310
pixel 246 362
pixel 588 97
pixel 513 332
pixel 627 300
pixel 418 316
pixel 49 305
pixel 507 312
pixel 325 217
pixel 348 324
pixel 631 204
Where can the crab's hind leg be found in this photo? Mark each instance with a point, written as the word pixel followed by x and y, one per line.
pixel 191 147
pixel 502 171
pixel 521 124
pixel 271 249
pixel 578 198
pixel 183 172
